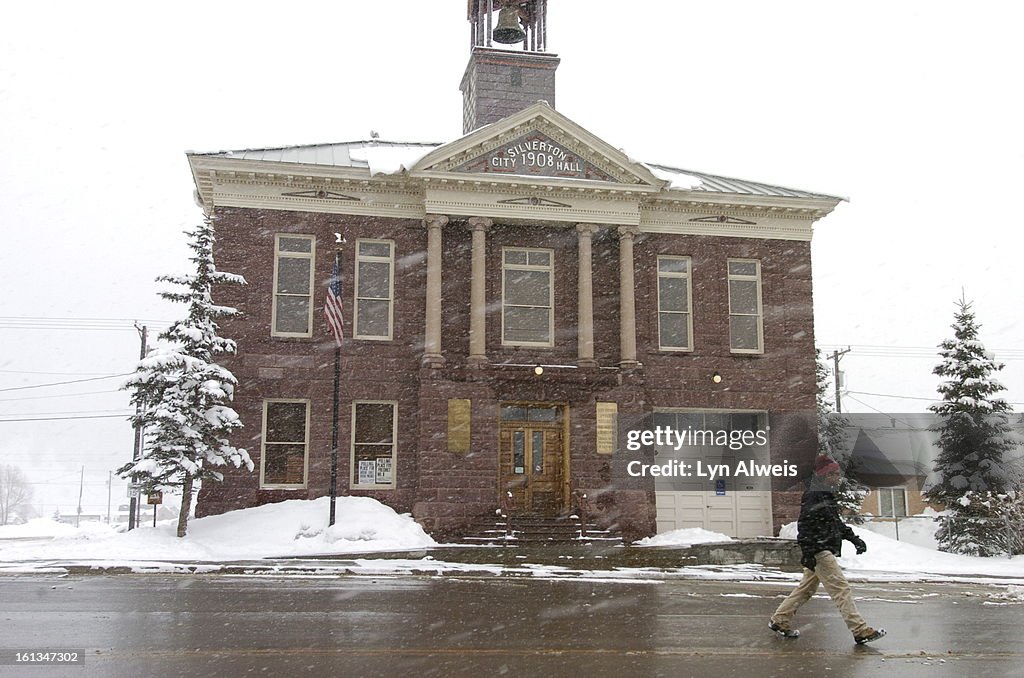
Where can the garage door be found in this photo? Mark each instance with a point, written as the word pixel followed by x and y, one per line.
pixel 735 506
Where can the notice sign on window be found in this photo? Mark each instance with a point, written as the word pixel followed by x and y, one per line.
pixel 383 476
pixel 368 472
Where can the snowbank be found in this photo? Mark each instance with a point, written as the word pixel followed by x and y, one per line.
pixel 289 528
pixel 684 537
pixel 47 527
pixel 885 554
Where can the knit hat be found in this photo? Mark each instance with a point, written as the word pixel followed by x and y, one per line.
pixel 824 465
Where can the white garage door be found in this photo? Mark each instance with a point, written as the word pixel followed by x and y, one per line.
pixel 735 506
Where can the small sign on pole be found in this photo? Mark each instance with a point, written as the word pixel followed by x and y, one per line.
pixel 134 490
pixel 155 498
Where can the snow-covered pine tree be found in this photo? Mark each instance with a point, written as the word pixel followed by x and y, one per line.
pixel 974 437
pixel 183 394
pixel 849 492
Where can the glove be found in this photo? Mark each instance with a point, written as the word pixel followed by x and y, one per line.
pixel 859 544
pixel 809 562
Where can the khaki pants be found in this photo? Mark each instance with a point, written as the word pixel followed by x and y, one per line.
pixel 828 572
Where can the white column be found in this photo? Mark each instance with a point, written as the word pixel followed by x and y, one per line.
pixel 432 340
pixel 585 324
pixel 627 298
pixel 478 293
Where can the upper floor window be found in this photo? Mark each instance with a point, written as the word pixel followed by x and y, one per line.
pixel 675 320
pixel 285 443
pixel 375 289
pixel 527 297
pixel 746 331
pixel 292 313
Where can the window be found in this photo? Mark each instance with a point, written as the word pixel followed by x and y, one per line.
pixel 892 502
pixel 285 444
pixel 374 429
pixel 292 314
pixel 745 323
pixel 675 322
pixel 528 297
pixel 375 288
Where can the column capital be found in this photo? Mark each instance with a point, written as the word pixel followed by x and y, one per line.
pixel 587 229
pixel 480 223
pixel 435 221
pixel 629 232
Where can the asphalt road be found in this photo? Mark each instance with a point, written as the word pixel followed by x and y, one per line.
pixel 150 625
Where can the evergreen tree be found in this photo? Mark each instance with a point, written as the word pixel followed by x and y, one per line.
pixel 184 396
pixel 849 492
pixel 974 437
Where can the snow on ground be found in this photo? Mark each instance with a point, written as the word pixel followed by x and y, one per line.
pixel 289 528
pixel 47 527
pixel 685 537
pixel 885 554
pixel 918 530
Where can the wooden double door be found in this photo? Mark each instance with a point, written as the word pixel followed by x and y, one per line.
pixel 531 467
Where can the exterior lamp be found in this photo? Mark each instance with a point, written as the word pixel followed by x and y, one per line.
pixel 716 378
pixel 538 370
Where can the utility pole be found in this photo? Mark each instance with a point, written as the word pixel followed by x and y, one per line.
pixel 81 486
pixel 110 485
pixel 836 355
pixel 133 507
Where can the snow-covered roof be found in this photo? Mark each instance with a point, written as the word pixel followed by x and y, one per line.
pixel 713 183
pixel 344 154
pixel 387 157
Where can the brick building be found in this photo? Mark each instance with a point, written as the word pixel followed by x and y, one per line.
pixel 515 302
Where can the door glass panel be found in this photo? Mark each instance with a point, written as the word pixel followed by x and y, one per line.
pixel 538 453
pixel 543 414
pixel 513 413
pixel 518 452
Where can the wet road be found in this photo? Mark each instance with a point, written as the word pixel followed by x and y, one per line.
pixel 149 625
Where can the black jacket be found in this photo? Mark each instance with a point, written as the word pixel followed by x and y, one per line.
pixel 820 528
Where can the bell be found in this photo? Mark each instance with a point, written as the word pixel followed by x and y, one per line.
pixel 508 31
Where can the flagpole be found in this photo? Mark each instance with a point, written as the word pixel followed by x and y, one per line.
pixel 334 414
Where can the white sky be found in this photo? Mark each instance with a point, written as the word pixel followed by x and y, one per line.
pixel 910 109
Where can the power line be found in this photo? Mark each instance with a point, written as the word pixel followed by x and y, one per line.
pixel 47 414
pixel 888 395
pixel 62 383
pixel 98 416
pixel 881 351
pixel 59 395
pixel 81 374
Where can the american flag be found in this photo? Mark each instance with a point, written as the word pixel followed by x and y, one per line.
pixel 333 310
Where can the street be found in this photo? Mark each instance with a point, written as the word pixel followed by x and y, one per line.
pixel 221 625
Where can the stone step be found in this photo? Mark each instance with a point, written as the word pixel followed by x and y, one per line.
pixel 530 530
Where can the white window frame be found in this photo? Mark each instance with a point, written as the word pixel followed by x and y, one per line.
pixel 263 446
pixel 278 255
pixel 390 260
pixel 892 495
pixel 550 269
pixel 689 300
pixel 760 304
pixel 353 470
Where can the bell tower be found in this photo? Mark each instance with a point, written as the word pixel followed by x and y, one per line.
pixel 503 78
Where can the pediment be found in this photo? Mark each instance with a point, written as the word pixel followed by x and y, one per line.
pixel 537 142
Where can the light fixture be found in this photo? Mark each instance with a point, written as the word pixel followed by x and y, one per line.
pixel 538 370
pixel 716 378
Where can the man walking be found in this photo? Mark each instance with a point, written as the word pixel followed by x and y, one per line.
pixel 820 533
